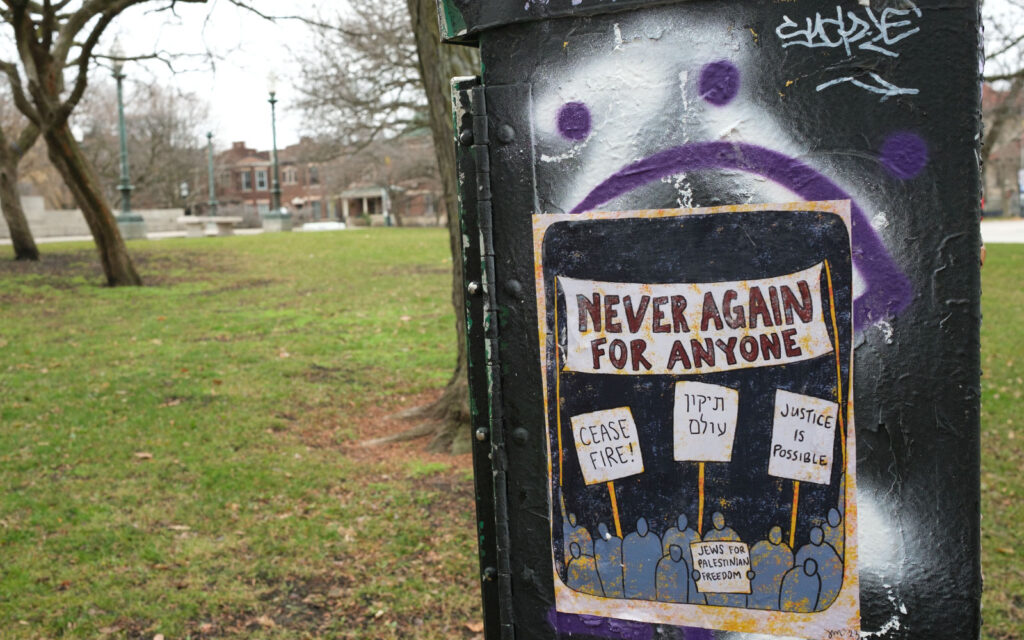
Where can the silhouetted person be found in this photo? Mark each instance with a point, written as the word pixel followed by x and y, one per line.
pixel 725 534
pixel 673 578
pixel 582 572
pixel 800 588
pixel 830 567
pixel 684 536
pixel 834 533
pixel 641 551
pixel 608 554
pixel 769 560
pixel 571 532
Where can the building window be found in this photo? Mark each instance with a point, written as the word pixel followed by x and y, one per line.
pixel 263 207
pixel 261 179
pixel 316 209
pixel 246 181
pixel 290 175
pixel 314 175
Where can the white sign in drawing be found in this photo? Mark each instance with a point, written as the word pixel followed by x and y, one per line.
pixel 704 422
pixel 721 566
pixel 607 445
pixel 873 32
pixel 803 437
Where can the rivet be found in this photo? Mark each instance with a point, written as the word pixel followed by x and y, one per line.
pixel 481 434
pixel 520 435
pixel 490 573
pixel 473 288
pixel 466 137
pixel 506 134
pixel 514 287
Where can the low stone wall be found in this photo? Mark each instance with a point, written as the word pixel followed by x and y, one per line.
pixel 70 222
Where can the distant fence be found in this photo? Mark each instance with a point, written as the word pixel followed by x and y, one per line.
pixel 50 223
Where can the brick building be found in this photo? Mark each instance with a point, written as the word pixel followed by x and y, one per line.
pixel 245 177
pixel 394 182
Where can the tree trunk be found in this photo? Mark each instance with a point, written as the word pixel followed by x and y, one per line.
pixel 438 64
pixel 67 158
pixel 21 236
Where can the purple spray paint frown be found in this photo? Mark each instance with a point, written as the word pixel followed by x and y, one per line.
pixel 597 627
pixel 888 289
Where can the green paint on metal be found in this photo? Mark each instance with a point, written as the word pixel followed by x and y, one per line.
pixel 451 19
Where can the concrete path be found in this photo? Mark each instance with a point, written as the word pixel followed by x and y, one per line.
pixel 1003 231
pixel 155 235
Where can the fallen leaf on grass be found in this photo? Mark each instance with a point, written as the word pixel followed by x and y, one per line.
pixel 143 455
pixel 157 341
pixel 266 621
pixel 475 627
pixel 171 403
pixel 179 527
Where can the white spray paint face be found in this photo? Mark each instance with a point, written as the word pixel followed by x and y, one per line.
pixel 637 104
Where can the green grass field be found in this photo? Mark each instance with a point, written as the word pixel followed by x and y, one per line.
pixel 181 459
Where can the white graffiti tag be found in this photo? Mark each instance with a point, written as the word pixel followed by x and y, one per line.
pixel 868 31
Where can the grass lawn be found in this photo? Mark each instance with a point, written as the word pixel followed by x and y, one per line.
pixel 179 458
pixel 1002 441
pixel 182 459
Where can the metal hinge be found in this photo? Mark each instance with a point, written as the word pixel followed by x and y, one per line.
pixel 473 136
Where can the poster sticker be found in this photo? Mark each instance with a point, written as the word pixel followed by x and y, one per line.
pixel 705 422
pixel 697 379
pixel 607 445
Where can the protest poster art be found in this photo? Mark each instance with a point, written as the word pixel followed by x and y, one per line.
pixel 697 389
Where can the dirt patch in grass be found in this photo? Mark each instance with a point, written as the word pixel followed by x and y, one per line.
pixel 331 428
pixel 67 270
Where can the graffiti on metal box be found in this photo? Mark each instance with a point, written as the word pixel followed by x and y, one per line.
pixel 699 418
pixel 871 32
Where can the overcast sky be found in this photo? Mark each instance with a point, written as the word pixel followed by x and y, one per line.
pixel 247 49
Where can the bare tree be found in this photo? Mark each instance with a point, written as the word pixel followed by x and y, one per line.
pixel 379 72
pixel 55 43
pixel 1004 68
pixel 165 134
pixel 11 152
pixel 360 79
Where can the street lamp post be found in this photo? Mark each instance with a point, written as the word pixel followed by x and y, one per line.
pixel 277 219
pixel 212 188
pixel 131 225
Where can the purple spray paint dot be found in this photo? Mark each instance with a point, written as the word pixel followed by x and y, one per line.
pixel 904 155
pixel 719 82
pixel 574 120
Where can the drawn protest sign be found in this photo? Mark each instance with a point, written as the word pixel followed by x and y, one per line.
pixel 721 566
pixel 803 437
pixel 607 445
pixel 643 328
pixel 705 422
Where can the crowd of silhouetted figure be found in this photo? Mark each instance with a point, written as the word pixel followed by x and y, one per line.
pixel 644 566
